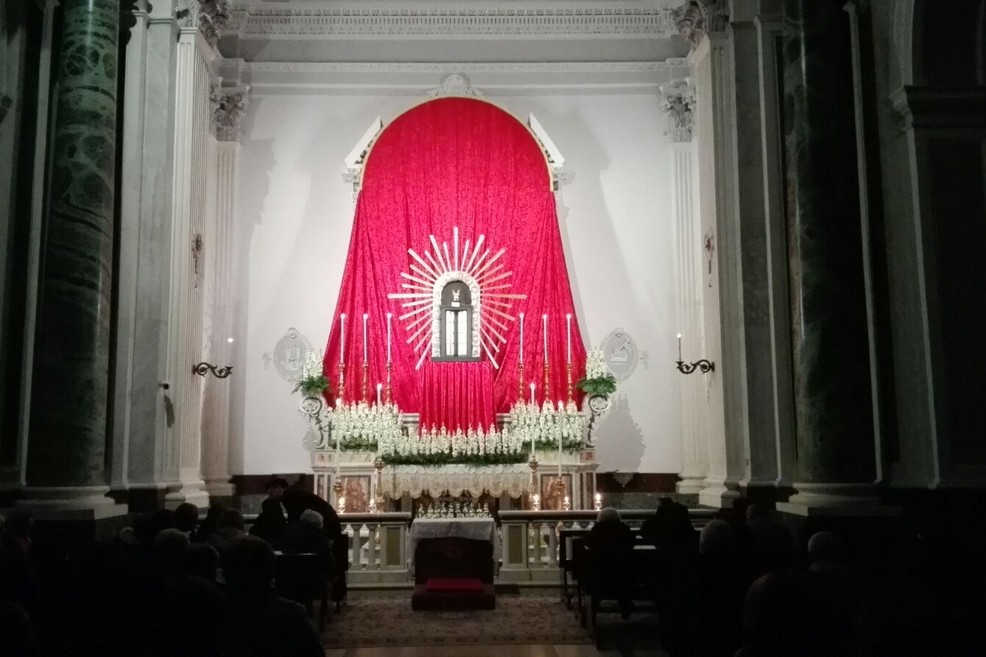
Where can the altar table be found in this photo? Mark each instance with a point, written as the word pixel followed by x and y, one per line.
pixel 482 529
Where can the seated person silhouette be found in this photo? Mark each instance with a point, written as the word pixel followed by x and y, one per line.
pixel 610 543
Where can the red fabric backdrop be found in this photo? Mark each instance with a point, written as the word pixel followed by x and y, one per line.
pixel 455 162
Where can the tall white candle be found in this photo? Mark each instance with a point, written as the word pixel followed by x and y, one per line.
pixel 379 388
pixel 521 348
pixel 389 315
pixel 366 318
pixel 679 346
pixel 568 334
pixel 342 339
pixel 532 393
pixel 545 319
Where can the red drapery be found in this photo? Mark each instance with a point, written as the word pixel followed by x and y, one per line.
pixel 457 396
pixel 447 163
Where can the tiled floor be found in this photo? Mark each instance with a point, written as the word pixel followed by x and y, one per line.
pixel 494 651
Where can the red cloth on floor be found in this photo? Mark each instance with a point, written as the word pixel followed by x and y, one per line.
pixel 436 584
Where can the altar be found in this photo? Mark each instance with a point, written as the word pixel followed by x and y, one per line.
pixel 455 365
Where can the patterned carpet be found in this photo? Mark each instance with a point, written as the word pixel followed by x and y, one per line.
pixel 380 622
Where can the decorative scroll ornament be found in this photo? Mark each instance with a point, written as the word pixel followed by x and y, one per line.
pixel 487 283
pixel 679 104
pixel 228 109
pixel 455 84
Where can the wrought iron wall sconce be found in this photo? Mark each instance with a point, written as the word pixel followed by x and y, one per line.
pixel 704 366
pixel 219 372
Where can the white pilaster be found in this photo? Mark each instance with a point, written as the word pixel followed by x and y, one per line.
pixel 713 110
pixel 679 103
pixel 187 265
pixel 131 177
pixel 219 234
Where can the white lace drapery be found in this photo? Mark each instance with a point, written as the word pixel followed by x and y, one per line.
pixel 513 479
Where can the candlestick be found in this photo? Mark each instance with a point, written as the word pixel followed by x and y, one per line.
pixel 366 318
pixel 387 390
pixel 568 334
pixel 568 380
pixel 532 393
pixel 520 349
pixel 364 396
pixel 379 390
pixel 679 346
pixel 342 339
pixel 545 319
pixel 342 381
pixel 389 315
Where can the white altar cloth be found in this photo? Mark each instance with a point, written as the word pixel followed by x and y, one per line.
pixel 481 529
pixel 513 479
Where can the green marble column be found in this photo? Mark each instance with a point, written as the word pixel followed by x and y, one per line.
pixel 71 354
pixel 834 415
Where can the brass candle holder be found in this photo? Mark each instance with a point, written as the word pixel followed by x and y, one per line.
pixel 378 466
pixel 366 382
pixel 520 381
pixel 568 379
pixel 387 395
pixel 337 488
pixel 547 380
pixel 342 381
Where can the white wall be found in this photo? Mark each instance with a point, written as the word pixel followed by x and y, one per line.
pixel 294 217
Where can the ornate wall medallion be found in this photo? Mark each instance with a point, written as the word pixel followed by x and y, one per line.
pixel 620 353
pixel 290 354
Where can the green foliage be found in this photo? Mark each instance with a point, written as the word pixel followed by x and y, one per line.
pixel 603 385
pixel 312 386
pixel 358 444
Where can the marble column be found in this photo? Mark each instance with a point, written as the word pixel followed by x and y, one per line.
pixel 65 459
pixel 679 101
pixel 832 393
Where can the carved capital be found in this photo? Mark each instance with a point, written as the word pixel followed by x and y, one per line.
pixel 228 109
pixel 209 16
pixel 679 105
pixel 695 18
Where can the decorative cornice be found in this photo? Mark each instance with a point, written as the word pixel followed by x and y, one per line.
pixel 679 103
pixel 357 19
pixel 942 108
pixel 479 67
pixel 228 108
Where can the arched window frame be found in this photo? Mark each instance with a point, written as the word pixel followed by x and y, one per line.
pixel 436 312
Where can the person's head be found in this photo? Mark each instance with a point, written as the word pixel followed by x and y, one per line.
pixel 186 517
pixel 202 560
pixel 276 487
pixel 170 546
pixel 757 510
pixel 774 614
pixel 232 519
pixel 17 529
pixel 249 566
pixel 717 538
pixel 311 517
pixel 162 519
pixel 824 546
pixel 608 514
